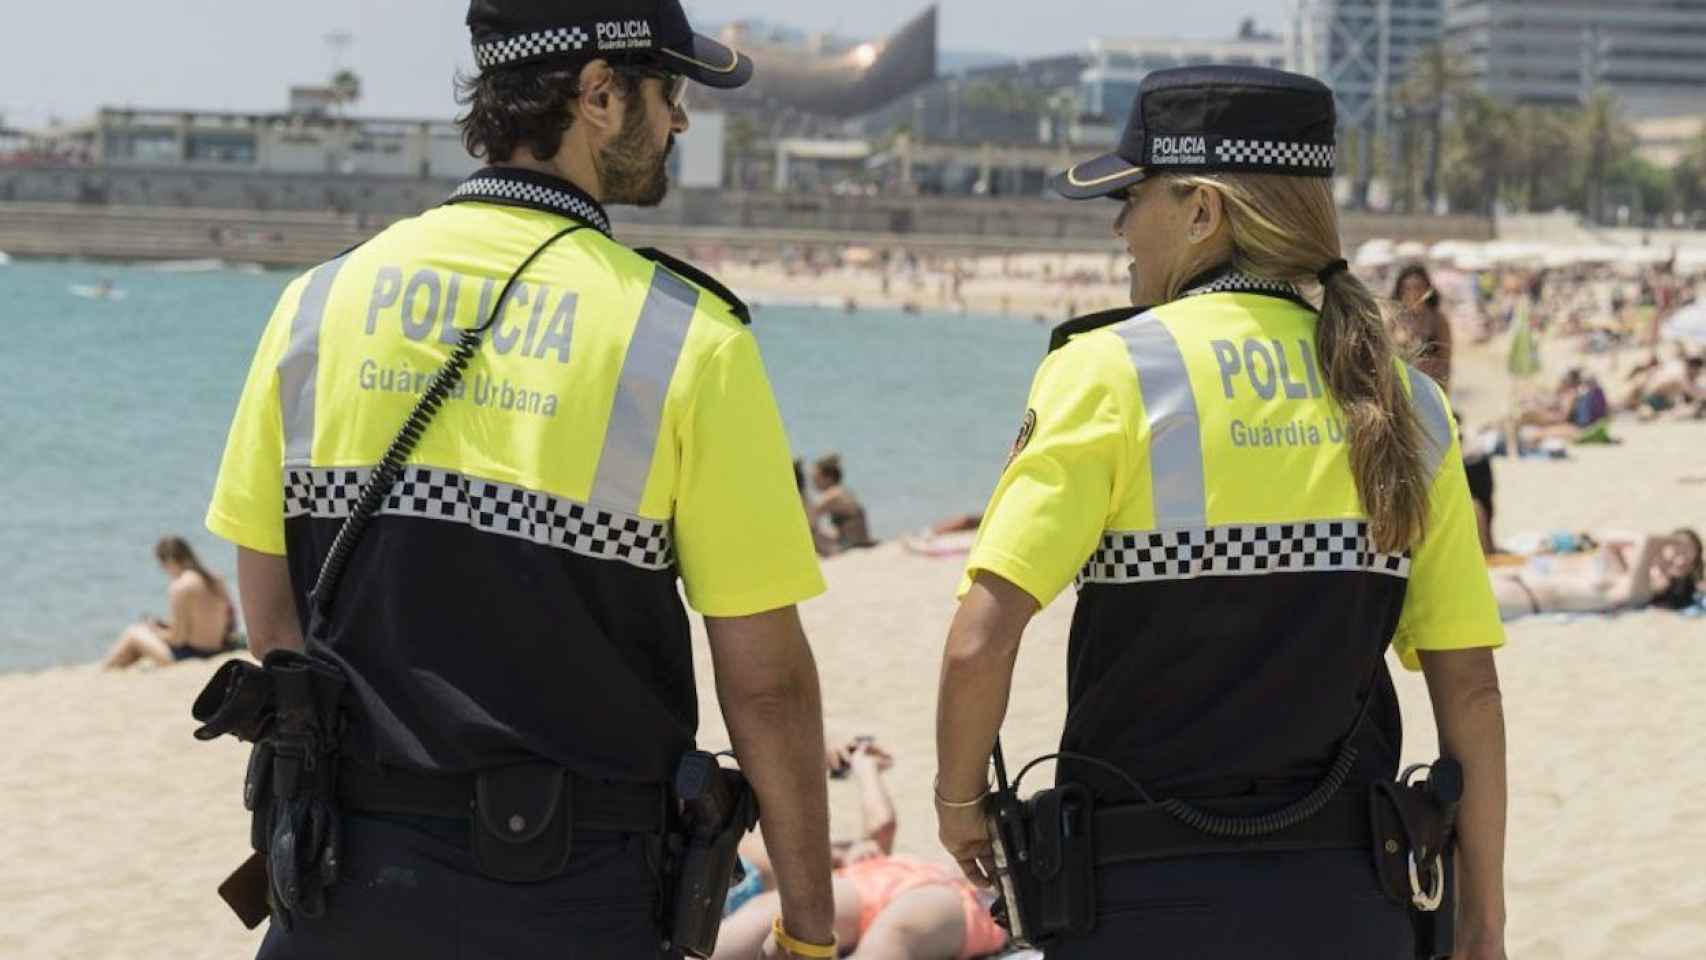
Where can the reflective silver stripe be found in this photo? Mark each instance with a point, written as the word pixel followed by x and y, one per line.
pixel 300 366
pixel 1435 421
pixel 1175 433
pixel 631 437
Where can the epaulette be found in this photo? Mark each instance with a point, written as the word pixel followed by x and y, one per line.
pixel 1090 321
pixel 701 278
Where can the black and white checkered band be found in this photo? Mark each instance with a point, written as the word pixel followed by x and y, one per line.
pixel 527 45
pixel 1313 546
pixel 485 505
pixel 1276 153
pixel 1243 283
pixel 506 190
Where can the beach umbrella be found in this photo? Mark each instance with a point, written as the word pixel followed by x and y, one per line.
pixel 1374 253
pixel 1691 259
pixel 1524 359
pixel 1689 323
pixel 1472 259
pixel 1411 250
pixel 1510 253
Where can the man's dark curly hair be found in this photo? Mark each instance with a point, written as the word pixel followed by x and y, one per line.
pixel 525 106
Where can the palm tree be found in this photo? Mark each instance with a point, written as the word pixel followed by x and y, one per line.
pixel 739 144
pixel 1689 176
pixel 1435 79
pixel 1605 138
pixel 1481 154
pixel 346 88
pixel 1542 154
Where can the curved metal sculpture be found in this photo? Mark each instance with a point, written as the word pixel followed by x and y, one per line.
pixel 845 84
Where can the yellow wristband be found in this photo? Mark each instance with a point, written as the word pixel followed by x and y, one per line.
pixel 800 948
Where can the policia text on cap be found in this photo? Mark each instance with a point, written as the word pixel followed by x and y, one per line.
pixel 1267 499
pixel 487 748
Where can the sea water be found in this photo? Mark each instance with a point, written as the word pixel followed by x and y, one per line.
pixel 113 416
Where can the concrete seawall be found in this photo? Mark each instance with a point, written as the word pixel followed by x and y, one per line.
pixel 733 221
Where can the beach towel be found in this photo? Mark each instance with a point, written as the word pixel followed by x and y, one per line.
pixel 1596 433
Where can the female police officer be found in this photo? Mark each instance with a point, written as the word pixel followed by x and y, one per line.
pixel 1256 498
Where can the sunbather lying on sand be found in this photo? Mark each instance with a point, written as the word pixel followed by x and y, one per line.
pixel 1672 387
pixel 1659 570
pixel 894 908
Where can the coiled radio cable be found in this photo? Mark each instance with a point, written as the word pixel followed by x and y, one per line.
pixel 384 477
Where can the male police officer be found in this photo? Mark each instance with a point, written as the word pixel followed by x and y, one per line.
pixel 513 604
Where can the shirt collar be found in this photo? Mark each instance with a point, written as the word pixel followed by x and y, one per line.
pixel 514 187
pixel 1225 279
pixel 1219 279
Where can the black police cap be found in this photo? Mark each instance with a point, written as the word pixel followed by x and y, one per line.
pixel 511 32
pixel 1215 118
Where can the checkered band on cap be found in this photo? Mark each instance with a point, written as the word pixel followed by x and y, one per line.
pixel 487 506
pixel 1277 153
pixel 1237 551
pixel 1242 283
pixel 527 45
pixel 518 191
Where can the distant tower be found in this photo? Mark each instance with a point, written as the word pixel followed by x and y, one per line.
pixel 1361 48
pixel 337 44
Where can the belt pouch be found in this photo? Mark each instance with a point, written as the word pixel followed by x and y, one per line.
pixel 1062 861
pixel 238 699
pixel 257 795
pixel 521 824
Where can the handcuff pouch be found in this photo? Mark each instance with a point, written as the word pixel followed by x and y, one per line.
pixel 522 822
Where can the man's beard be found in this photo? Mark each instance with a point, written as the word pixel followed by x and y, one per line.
pixel 632 171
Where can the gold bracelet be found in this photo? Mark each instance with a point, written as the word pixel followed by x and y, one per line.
pixel 800 948
pixel 936 788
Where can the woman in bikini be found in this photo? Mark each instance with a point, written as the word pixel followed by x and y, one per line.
pixel 1420 326
pixel 1659 570
pixel 846 514
pixel 203 620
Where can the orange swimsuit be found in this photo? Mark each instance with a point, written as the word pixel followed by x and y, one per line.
pixel 881 880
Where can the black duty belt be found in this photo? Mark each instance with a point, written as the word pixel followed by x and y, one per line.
pixel 594 805
pixel 1146 832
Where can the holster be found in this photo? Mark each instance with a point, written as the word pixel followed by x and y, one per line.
pixel 1045 862
pixel 1414 821
pixel 291 708
pixel 718 807
pixel 522 823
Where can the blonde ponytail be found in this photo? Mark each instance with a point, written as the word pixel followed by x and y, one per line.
pixel 1286 228
pixel 1380 421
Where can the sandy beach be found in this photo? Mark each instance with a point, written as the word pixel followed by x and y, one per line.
pixel 116 826
pixel 1049 287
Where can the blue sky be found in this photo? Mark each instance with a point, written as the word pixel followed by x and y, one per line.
pixel 65 59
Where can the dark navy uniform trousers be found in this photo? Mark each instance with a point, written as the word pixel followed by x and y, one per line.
pixel 1277 906
pixel 409 889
